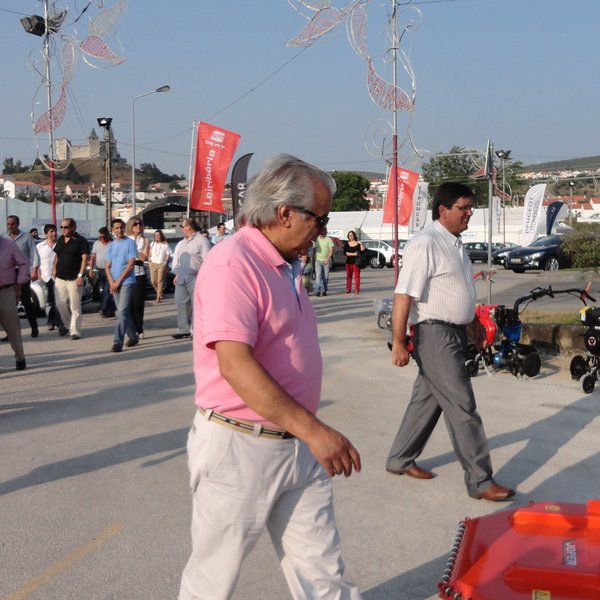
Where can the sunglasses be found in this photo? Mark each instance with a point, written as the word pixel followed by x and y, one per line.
pixel 65 226
pixel 319 220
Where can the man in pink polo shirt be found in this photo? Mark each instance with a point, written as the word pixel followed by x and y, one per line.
pixel 258 455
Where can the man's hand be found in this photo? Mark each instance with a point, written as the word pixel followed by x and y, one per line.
pixel 79 281
pixel 334 451
pixel 34 274
pixel 400 354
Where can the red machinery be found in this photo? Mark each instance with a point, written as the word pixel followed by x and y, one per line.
pixel 545 551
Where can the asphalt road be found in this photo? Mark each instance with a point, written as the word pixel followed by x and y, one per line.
pixel 93 477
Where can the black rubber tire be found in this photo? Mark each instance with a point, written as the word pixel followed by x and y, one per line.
pixel 588 382
pixel 518 270
pixel 531 364
pixel 551 264
pixel 578 367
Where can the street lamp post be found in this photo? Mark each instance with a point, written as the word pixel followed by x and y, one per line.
pixel 105 122
pixel 503 155
pixel 571 186
pixel 163 88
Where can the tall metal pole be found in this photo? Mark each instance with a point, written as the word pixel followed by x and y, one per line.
pixel 46 50
pixel 108 184
pixel 571 185
pixel 394 171
pixel 490 174
pixel 190 182
pixel 163 88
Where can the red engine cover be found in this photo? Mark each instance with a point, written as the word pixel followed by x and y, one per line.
pixel 545 551
pixel 485 315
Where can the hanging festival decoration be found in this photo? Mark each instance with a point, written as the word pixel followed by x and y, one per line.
pixel 323 18
pixel 94 45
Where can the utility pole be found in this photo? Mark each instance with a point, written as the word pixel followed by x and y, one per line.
pixel 105 123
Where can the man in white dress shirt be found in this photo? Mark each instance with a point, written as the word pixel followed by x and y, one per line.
pixel 435 293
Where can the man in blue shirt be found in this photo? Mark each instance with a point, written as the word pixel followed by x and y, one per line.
pixel 121 256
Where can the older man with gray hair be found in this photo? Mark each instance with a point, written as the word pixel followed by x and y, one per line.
pixel 189 254
pixel 259 457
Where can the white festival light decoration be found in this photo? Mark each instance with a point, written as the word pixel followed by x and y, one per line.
pixel 323 18
pixel 93 46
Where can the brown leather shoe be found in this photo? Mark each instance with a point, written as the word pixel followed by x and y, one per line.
pixel 413 471
pixel 494 493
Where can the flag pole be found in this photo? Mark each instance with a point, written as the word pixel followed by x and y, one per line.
pixel 190 182
pixel 394 170
pixel 489 164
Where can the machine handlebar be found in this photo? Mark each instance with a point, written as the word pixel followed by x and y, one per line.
pixel 540 292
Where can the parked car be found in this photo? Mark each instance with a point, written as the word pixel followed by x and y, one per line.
pixel 544 254
pixel 339 258
pixel 499 255
pixel 478 251
pixel 39 292
pixel 383 252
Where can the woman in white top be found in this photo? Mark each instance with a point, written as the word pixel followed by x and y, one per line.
pixel 159 255
pixel 135 230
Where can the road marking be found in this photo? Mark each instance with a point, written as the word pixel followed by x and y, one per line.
pixel 65 563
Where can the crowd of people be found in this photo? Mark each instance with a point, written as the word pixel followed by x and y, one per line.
pixel 62 263
pixel 259 456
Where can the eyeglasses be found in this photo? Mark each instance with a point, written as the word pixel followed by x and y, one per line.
pixel 65 227
pixel 319 220
pixel 465 208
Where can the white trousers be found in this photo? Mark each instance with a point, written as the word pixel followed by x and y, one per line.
pixel 242 484
pixel 68 302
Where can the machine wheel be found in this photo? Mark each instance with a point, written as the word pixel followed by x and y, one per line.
pixel 518 270
pixel 472 367
pixel 551 264
pixel 578 367
pixel 532 364
pixel 588 382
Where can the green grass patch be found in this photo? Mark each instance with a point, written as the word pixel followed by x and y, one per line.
pixel 551 317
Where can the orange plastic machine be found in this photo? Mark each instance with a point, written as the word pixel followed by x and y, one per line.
pixel 545 551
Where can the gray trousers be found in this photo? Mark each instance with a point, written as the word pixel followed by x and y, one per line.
pixel 443 385
pixel 184 300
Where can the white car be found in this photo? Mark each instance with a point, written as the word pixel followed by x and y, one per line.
pixel 385 252
pixel 39 292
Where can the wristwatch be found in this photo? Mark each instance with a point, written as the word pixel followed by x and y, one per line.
pixel 79 274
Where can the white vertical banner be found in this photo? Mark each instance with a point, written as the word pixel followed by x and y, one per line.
pixel 498 209
pixel 531 213
pixel 419 212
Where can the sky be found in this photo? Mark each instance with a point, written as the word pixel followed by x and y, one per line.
pixel 522 73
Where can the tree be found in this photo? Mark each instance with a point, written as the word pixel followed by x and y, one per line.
pixel 457 165
pixel 10 166
pixel 351 191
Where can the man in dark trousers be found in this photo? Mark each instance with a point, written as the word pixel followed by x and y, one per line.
pixel 69 270
pixel 26 245
pixel 435 293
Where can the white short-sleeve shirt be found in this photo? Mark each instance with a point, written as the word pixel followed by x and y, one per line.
pixel 436 273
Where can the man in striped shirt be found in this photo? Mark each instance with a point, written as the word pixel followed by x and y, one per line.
pixel 435 293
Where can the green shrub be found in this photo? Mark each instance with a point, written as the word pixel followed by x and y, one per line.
pixel 584 249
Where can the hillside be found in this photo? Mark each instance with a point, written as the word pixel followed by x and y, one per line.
pixel 571 164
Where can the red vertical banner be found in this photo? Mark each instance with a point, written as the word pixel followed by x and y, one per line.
pixel 407 182
pixel 214 152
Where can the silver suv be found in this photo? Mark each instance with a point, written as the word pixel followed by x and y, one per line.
pixel 385 252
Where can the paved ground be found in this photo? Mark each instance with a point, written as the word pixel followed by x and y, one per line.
pixel 93 491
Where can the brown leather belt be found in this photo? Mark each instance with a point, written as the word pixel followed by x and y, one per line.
pixel 249 427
